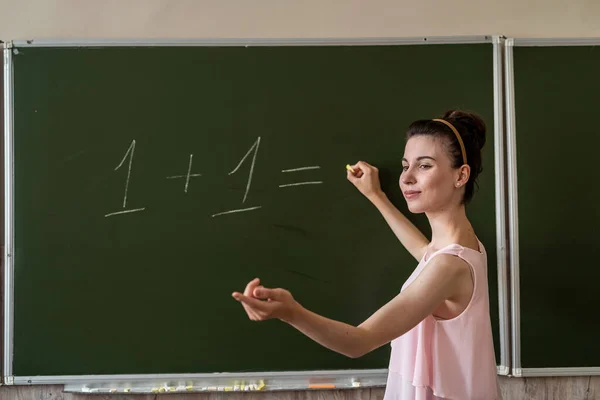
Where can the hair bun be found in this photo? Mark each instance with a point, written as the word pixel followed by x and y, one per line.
pixel 470 125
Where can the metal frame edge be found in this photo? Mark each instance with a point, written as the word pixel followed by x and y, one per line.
pixel 567 371
pixel 8 215
pixel 513 216
pixel 252 41
pixel 503 370
pixel 500 182
pixel 540 42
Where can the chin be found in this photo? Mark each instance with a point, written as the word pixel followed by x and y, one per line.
pixel 415 208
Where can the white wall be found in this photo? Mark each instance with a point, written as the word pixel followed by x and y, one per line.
pixel 34 19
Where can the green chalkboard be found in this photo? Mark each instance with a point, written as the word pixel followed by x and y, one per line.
pixel 556 91
pixel 99 131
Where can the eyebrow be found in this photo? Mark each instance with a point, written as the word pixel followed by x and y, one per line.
pixel 419 158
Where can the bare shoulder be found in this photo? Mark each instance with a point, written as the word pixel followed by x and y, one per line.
pixel 443 278
pixel 447 267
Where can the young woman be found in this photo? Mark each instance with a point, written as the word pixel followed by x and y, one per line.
pixel 439 324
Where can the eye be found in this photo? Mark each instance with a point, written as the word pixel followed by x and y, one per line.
pixel 424 166
pixel 404 168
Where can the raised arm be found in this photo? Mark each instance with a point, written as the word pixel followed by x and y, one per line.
pixel 366 180
pixel 438 282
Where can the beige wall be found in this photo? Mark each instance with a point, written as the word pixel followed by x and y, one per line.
pixel 31 19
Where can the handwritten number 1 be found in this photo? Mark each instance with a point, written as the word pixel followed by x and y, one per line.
pixel 130 152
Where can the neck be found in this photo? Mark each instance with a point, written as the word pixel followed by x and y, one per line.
pixel 450 226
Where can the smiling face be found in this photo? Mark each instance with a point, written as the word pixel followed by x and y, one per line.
pixel 428 181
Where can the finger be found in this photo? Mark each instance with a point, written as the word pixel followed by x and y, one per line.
pixel 256 305
pixel 260 310
pixel 353 169
pixel 252 314
pixel 363 166
pixel 248 292
pixel 261 292
pixel 250 286
pixel 272 294
pixel 359 170
pixel 352 177
pixel 257 291
pixel 249 311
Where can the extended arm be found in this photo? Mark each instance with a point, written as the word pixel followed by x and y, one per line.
pixel 439 281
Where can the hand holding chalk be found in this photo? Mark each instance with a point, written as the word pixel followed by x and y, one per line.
pixel 365 177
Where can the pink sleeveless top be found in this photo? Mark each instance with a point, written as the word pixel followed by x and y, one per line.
pixel 448 359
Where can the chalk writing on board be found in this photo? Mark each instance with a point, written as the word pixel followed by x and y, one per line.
pixel 236 211
pixel 253 148
pixel 301 183
pixel 130 152
pixel 301 169
pixel 125 212
pixel 186 176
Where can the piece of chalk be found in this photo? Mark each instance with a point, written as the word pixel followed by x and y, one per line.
pixel 349 168
pixel 321 386
pixel 189 387
pixel 261 385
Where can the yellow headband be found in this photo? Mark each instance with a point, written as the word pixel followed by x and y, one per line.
pixel 460 142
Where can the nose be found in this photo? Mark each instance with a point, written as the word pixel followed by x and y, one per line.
pixel 407 177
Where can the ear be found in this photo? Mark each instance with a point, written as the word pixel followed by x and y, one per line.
pixel 464 172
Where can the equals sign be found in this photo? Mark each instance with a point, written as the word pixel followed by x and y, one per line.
pixel 301 183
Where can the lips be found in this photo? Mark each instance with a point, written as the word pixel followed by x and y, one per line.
pixel 411 194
